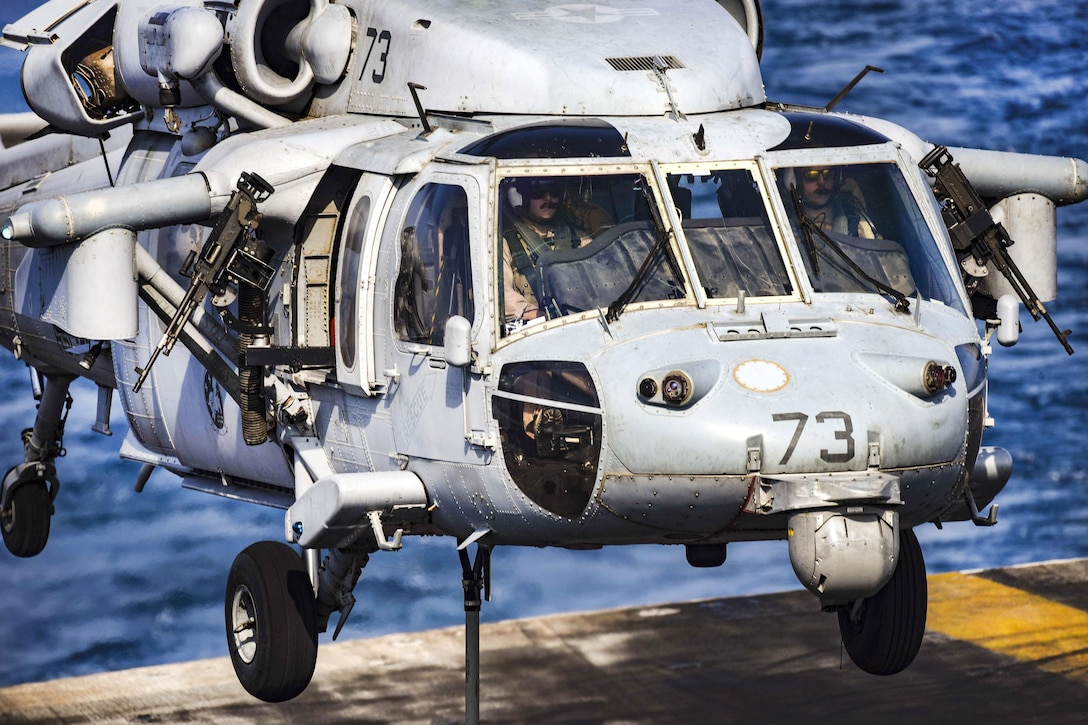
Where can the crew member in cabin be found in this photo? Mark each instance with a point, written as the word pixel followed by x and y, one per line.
pixel 537 224
pixel 834 203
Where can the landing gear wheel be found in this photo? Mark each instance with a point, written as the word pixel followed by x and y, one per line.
pixel 883 636
pixel 271 622
pixel 25 522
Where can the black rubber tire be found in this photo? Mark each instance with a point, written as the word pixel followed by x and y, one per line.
pixel 275 651
pixel 25 523
pixel 888 632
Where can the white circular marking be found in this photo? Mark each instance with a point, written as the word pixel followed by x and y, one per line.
pixel 761 376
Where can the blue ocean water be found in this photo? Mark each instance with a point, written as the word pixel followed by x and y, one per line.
pixel 137 579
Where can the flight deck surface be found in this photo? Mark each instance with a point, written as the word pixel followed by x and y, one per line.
pixel 1006 645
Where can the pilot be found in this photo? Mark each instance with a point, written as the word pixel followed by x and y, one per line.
pixel 834 204
pixel 539 224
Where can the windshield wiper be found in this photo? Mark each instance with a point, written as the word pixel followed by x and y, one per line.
pixel 661 246
pixel 809 227
pixel 809 243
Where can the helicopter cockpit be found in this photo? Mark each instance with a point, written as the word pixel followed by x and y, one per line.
pixel 799 233
pixel 586 236
pixel 574 242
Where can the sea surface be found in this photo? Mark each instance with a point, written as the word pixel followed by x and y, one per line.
pixel 137 579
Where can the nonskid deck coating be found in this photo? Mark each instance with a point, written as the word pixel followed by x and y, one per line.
pixel 1009 645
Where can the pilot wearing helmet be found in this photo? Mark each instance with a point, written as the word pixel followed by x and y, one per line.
pixel 834 204
pixel 539 223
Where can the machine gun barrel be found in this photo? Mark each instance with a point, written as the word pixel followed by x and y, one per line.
pixel 193 296
pixel 222 258
pixel 974 230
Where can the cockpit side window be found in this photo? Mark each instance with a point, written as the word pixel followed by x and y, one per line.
pixel 576 243
pixel 434 279
pixel 861 230
pixel 728 231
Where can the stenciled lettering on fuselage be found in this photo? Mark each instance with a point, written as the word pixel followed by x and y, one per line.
pixel 415 409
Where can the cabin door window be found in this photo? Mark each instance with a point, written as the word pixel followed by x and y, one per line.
pixel 352 326
pixel 347 309
pixel 434 278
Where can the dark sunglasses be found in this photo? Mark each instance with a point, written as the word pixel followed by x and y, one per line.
pixel 541 192
pixel 815 174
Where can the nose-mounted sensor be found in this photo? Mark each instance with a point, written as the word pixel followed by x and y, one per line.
pixel 676 388
pixel 647 387
pixel 937 377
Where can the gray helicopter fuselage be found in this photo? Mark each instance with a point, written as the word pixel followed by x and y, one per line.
pixel 784 385
pixel 800 400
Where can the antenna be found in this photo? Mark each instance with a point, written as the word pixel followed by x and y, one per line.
pixel 412 88
pixel 850 86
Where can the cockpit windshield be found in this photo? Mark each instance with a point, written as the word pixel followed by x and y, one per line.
pixel 860 230
pixel 597 241
pixel 724 220
pixel 575 243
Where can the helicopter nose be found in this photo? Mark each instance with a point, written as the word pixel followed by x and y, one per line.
pixel 765 431
pixel 805 405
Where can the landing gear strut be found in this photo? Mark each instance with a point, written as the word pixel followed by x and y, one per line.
pixel 882 634
pixel 475 578
pixel 29 489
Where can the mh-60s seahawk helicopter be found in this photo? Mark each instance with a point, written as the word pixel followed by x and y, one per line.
pixel 517 273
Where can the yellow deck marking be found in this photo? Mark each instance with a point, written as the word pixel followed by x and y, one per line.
pixel 1029 628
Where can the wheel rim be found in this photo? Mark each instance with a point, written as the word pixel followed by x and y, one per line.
pixel 244 624
pixel 7 518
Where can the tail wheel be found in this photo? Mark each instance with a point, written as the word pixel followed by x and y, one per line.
pixel 883 634
pixel 25 522
pixel 271 622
